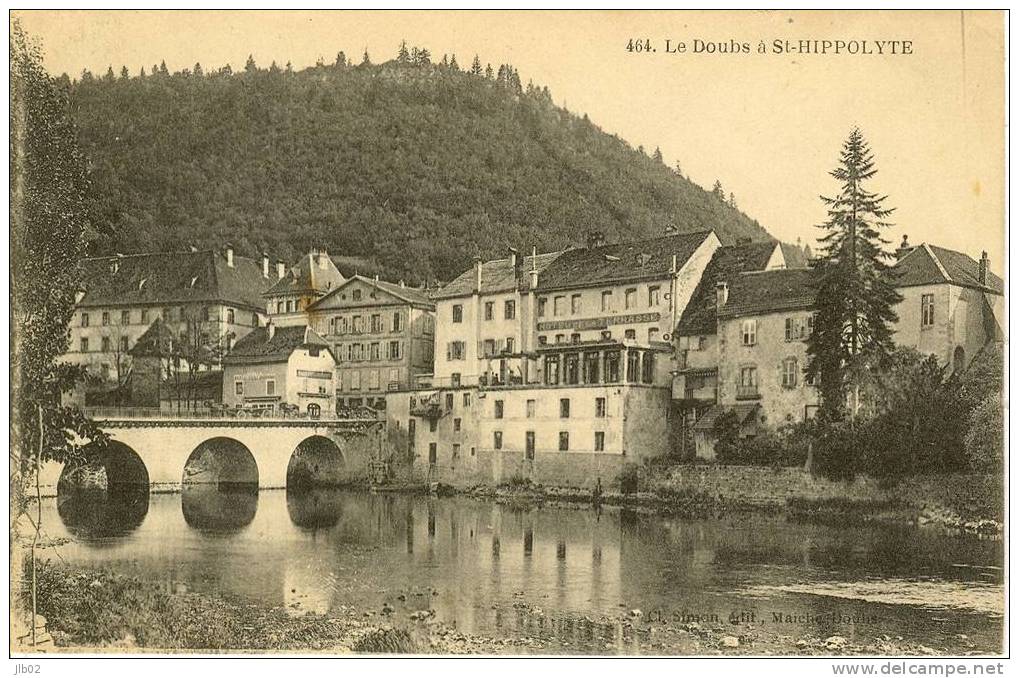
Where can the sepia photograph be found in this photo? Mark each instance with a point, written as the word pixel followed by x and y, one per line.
pixel 509 333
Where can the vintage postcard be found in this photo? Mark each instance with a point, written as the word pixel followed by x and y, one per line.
pixel 606 333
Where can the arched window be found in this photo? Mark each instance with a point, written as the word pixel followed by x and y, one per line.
pixel 314 411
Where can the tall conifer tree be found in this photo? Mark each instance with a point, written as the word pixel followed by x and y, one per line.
pixel 855 296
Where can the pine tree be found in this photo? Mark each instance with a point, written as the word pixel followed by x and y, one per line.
pixel 402 55
pixel 476 66
pixel 341 59
pixel 109 74
pixel 163 70
pixel 854 297
pixel 732 200
pixel 365 60
pixel 453 65
pixel 679 169
pixel 717 190
pixel 489 73
pixel 142 73
pixel 808 253
pixel 197 70
pixel 249 65
pixel 424 57
pixel 124 75
pixel 658 155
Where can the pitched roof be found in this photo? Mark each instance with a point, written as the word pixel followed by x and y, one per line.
pixel 411 295
pixel 496 276
pixel 794 256
pixel 743 414
pixel 620 262
pixel 931 265
pixel 154 341
pixel 171 278
pixel 258 347
pixel 761 292
pixel 725 265
pixel 315 273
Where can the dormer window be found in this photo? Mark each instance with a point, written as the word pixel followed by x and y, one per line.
pixel 356 295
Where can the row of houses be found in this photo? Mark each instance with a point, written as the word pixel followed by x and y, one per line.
pixel 558 367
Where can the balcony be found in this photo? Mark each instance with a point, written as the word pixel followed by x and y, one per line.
pixel 747 392
pixel 429 408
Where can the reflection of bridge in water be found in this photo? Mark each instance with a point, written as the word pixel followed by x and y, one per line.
pixel 166 451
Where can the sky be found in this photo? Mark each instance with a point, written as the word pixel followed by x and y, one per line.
pixel 768 126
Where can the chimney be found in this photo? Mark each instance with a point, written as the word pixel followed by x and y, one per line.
pixel 985 264
pixel 265 264
pixel 904 249
pixel 534 268
pixel 517 262
pixel 477 275
pixel 281 269
pixel 721 295
pixel 229 249
pixel 595 239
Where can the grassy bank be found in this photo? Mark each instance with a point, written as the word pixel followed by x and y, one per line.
pixel 89 609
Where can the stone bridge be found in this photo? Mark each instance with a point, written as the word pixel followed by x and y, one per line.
pixel 167 452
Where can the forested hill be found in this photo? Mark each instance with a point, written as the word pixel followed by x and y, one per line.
pixel 411 167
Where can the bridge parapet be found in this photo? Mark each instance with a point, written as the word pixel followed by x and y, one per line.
pixel 206 417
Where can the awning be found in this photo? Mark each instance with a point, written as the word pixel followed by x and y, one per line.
pixel 743 414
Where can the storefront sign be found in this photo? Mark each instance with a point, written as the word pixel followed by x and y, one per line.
pixel 599 323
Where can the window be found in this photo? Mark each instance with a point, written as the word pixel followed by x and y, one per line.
pixel 790 370
pixel 510 344
pixel 125 317
pixel 747 385
pixel 630 334
pixel 467 399
pixel 145 315
pixel 559 306
pixel 356 295
pixel 606 300
pixel 84 319
pixel 633 366
pixel 290 305
pixel 106 344
pixel 83 345
pixel 542 339
pixel 373 380
pixel 397 321
pixel 551 370
pixel 611 367
pixel 238 388
pixel 279 306
pixel 358 325
pixel 376 323
pixel 449 402
pixel 458 313
pixel 254 320
pixel 653 295
pixel 456 424
pixel 270 387
pixel 560 338
pixel 599 407
pixel 927 310
pixel 529 445
pixel 499 409
pixel 456 450
pixel 167 315
pixel 599 441
pixel 123 344
pixel 497 440
pixel 394 376
pixel 564 441
pixel 375 351
pixel 355 380
pixel 591 364
pixel 489 310
pixel 432 454
pixel 341 325
pixel 796 328
pixel 358 351
pixel 339 381
pixel 530 408
pixel 630 301
pixel 432 425
pixel 647 366
pixel 542 301
pixel 652 334
pixel 575 304
pixel 509 310
pixel 571 368
pixel 106 318
pixel 575 338
pixel 394 350
pixel 749 332
pixel 455 350
pixel 564 408
pixel 488 348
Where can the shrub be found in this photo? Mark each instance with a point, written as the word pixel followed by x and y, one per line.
pixel 768 448
pixel 985 437
pixel 629 479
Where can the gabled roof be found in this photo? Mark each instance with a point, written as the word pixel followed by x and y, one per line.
pixel 155 341
pixel 496 276
pixel 794 256
pixel 314 274
pixel 762 292
pixel 173 278
pixel 620 262
pixel 257 346
pixel 726 264
pixel 932 265
pixel 409 295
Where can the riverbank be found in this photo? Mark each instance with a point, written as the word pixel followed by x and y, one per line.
pixel 963 503
pixel 89 610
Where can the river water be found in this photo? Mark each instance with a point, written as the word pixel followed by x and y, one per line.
pixel 486 567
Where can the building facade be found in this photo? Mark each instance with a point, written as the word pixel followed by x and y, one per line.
pixel 281 370
pixel 298 287
pixel 382 334
pixel 214 295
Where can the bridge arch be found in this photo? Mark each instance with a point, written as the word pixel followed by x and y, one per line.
pixel 107 497
pixel 223 462
pixel 316 461
pixel 116 467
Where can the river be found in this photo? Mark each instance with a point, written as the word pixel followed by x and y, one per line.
pixel 492 570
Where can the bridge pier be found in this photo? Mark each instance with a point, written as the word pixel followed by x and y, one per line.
pixel 164 446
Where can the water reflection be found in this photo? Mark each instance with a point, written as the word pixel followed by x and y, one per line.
pixel 314 508
pixel 101 514
pixel 222 509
